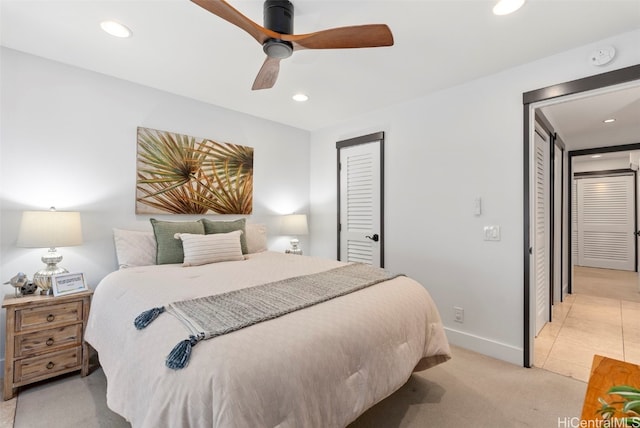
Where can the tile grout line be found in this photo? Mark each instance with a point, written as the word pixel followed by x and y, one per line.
pixel 555 338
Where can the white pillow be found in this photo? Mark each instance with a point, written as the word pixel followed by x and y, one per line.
pixel 134 248
pixel 256 238
pixel 213 248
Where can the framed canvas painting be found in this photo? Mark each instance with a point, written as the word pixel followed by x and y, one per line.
pixel 180 174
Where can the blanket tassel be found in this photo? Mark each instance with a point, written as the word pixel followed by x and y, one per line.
pixel 179 355
pixel 145 318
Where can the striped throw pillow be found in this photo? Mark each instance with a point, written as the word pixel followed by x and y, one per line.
pixel 214 248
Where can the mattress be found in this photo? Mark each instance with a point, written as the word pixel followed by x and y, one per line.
pixel 321 366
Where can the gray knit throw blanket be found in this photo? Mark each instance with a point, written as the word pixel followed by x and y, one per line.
pixel 211 316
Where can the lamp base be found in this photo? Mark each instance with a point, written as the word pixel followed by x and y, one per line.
pixel 295 249
pixel 42 278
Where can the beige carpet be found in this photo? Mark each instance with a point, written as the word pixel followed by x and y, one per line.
pixel 470 390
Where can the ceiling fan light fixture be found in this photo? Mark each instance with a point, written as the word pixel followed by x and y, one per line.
pixel 300 97
pixel 277 48
pixel 505 7
pixel 115 29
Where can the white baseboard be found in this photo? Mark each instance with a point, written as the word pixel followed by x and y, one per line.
pixel 482 345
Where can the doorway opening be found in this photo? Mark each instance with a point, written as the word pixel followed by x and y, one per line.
pixel 599 314
pixel 533 100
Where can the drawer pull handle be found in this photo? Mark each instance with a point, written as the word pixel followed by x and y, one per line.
pixel 50 317
pixel 50 365
pixel 50 341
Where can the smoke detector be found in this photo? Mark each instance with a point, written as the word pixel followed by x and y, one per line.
pixel 602 56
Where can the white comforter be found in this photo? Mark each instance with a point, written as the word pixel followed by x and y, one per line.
pixel 318 367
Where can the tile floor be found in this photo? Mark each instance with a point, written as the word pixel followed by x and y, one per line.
pixel 584 325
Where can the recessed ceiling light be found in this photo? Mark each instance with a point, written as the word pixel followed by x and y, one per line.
pixel 300 97
pixel 505 7
pixel 596 156
pixel 609 120
pixel 115 29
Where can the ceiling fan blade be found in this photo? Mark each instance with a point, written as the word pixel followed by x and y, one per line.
pixel 358 36
pixel 225 11
pixel 268 74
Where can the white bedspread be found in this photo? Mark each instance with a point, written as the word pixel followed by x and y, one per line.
pixel 318 367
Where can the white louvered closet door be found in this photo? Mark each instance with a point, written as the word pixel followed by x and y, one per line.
pixel 541 225
pixel 360 195
pixel 606 224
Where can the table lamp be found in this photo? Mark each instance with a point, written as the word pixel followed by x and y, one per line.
pixel 294 224
pixel 49 229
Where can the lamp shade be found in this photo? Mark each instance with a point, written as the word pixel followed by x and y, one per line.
pixel 294 224
pixel 50 229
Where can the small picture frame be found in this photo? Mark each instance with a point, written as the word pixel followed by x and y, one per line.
pixel 68 283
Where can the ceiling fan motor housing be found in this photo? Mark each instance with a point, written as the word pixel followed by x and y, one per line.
pixel 278 17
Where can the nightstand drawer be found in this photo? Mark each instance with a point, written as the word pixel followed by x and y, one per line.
pixel 40 317
pixel 44 338
pixel 45 366
pixel 47 340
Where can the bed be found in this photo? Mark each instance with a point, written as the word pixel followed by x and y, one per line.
pixel 321 366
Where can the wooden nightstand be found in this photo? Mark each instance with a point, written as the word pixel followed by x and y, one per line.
pixel 44 338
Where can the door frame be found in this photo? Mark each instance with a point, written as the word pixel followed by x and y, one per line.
pixel 590 83
pixel 557 287
pixel 365 139
pixel 594 151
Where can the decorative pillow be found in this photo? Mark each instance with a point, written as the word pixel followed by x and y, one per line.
pixel 213 248
pixel 169 249
pixel 211 226
pixel 134 248
pixel 256 238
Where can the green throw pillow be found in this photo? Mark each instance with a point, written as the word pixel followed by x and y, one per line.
pixel 211 226
pixel 169 249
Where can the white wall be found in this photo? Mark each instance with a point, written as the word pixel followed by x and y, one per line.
pixel 442 151
pixel 68 138
pixel 600 164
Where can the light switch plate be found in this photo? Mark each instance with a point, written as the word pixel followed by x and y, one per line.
pixel 492 233
pixel 477 206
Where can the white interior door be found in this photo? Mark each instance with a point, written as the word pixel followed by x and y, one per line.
pixel 606 223
pixel 360 204
pixel 541 226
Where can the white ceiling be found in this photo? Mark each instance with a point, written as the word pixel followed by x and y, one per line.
pixel 580 122
pixel 181 48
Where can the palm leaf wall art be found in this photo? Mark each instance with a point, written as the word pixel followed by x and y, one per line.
pixel 180 174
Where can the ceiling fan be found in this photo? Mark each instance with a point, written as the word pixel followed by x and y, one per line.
pixel 279 42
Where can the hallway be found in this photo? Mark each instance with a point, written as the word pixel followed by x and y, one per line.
pixel 588 324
